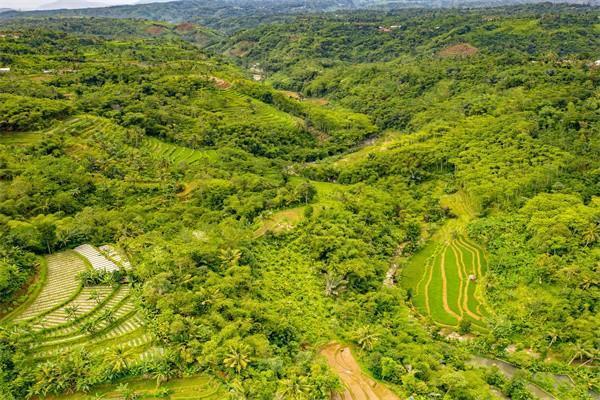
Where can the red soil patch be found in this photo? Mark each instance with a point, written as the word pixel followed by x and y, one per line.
pixel 155 29
pixel 459 50
pixel 185 27
pixel 220 83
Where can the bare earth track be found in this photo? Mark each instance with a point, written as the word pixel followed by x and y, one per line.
pixel 358 385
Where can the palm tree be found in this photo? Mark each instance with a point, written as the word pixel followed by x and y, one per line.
pixel 71 311
pixel 230 257
pixel 126 392
pixel 366 337
pixel 580 351
pixel 295 388
pixel 108 316
pixel 554 335
pixel 238 391
pixel 95 295
pixel 237 358
pixel 161 372
pixel 118 359
pixel 334 284
pixel 88 327
pixel 591 234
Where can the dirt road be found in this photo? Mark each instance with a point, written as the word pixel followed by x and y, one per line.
pixel 358 385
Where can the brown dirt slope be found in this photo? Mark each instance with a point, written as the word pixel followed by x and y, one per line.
pixel 358 385
pixel 459 50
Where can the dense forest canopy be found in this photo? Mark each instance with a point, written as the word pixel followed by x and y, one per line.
pixel 270 189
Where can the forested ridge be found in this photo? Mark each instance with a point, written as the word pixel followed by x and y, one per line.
pixel 195 212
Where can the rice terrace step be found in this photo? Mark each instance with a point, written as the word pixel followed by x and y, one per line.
pixel 66 316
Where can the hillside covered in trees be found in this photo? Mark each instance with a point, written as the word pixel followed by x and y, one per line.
pixel 399 204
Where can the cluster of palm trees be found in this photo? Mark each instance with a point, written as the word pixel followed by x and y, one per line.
pixel 80 371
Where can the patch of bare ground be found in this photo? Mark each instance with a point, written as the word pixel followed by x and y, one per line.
pixel 459 50
pixel 318 101
pixel 155 30
pixel 319 135
pixel 185 27
pixel 220 83
pixel 241 49
pixel 358 385
pixel 293 95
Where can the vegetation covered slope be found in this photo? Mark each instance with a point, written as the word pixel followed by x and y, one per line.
pixel 263 225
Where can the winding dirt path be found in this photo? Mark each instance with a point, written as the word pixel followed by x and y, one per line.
pixel 358 385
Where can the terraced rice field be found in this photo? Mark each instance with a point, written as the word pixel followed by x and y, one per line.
pixel 77 126
pixel 61 285
pixel 192 388
pixel 97 260
pixel 236 109
pixel 66 316
pixel 115 255
pixel 445 279
pixel 179 154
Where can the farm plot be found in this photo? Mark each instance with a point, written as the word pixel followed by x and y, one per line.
pixel 115 255
pixel 233 109
pixel 192 388
pixel 61 285
pixel 179 155
pixel 88 299
pixel 99 319
pixel 444 279
pixel 98 261
pixel 113 322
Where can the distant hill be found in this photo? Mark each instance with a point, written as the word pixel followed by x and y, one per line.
pixel 5 10
pixel 152 1
pixel 217 14
pixel 70 5
pixel 232 15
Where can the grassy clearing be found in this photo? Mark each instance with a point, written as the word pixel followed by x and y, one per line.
pixel 21 138
pixel 281 221
pixel 193 388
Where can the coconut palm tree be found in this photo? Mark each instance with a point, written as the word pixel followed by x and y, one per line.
pixel 88 327
pixel 334 284
pixel 581 351
pixel 230 257
pixel 366 337
pixel 554 335
pixel 295 388
pixel 237 358
pixel 591 234
pixel 71 312
pixel 118 359
pixel 95 295
pixel 161 372
pixel 238 391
